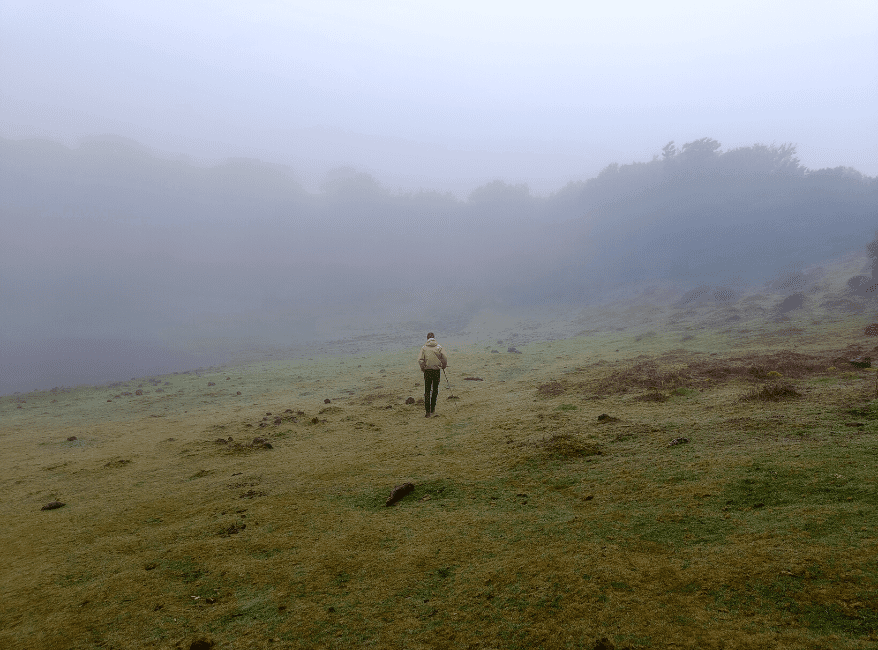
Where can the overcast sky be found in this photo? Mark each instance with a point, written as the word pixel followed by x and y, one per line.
pixel 449 94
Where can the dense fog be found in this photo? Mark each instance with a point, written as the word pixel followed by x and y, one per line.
pixel 281 174
pixel 112 252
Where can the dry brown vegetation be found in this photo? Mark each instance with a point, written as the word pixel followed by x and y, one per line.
pixel 550 508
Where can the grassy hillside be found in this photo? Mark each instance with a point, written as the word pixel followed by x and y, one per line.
pixel 694 475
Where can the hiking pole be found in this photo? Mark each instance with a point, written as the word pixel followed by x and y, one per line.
pixel 449 384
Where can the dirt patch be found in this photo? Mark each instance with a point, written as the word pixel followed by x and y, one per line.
pixel 667 373
pixel 551 389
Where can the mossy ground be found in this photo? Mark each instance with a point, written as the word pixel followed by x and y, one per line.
pixel 533 522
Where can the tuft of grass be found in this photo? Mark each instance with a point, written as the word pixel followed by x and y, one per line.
pixel 654 396
pixel 771 393
pixel 567 446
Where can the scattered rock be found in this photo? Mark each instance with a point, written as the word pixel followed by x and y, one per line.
pixel 288 411
pixel 399 492
pixel 410 400
pixel 149 566
pixel 864 363
pixel 268 413
pixel 53 505
pixel 314 420
pixel 871 330
pixel 227 378
pixel 512 350
pixel 238 393
pixel 300 412
pixel 160 390
pixel 71 438
pixel 263 424
pixel 211 383
pixel 604 418
pixel 138 392
pixel 473 379
pixel 326 401
pixel 277 420
pixel 221 441
pixel 678 441
pixel 495 352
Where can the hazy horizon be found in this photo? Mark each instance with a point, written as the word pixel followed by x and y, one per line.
pixel 445 97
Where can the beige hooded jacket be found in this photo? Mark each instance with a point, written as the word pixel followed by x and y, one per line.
pixel 432 357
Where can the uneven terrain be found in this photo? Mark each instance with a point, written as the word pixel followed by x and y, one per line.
pixel 677 474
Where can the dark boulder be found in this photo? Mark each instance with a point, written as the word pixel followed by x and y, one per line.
pixel 399 492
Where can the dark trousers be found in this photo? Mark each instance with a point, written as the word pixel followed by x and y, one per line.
pixel 431 389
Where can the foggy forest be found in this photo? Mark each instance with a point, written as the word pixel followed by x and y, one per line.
pixel 114 254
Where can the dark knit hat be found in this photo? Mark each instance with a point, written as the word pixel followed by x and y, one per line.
pixel 431 335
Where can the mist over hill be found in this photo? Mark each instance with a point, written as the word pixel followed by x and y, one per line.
pixel 110 242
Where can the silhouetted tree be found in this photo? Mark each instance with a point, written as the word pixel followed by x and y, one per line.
pixel 700 151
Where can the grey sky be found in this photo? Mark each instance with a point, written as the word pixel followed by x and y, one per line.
pixel 449 94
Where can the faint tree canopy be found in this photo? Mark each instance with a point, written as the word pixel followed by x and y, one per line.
pixel 499 191
pixel 347 180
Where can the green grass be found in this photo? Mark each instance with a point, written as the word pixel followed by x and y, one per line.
pixel 532 523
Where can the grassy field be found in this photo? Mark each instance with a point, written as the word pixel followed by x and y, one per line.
pixel 683 487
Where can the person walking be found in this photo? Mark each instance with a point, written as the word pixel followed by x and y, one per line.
pixel 432 359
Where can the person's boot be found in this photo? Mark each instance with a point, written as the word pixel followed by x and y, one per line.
pixel 427 414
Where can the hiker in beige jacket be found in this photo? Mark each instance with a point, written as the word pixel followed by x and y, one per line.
pixel 432 359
